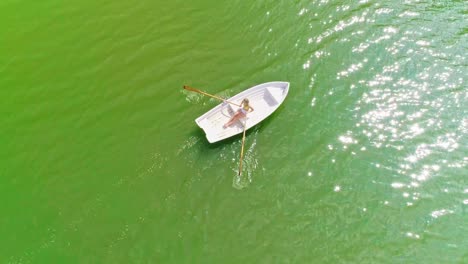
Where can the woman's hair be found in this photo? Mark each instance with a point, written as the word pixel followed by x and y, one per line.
pixel 245 101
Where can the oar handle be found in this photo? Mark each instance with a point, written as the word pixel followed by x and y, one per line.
pixel 186 87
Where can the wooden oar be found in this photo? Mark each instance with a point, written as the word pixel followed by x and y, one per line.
pixel 207 94
pixel 242 149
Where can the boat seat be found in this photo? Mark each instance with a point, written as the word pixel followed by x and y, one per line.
pixel 269 97
pixel 229 109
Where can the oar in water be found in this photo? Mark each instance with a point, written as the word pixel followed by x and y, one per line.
pixel 242 149
pixel 188 88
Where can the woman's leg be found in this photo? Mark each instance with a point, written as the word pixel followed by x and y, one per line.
pixel 234 118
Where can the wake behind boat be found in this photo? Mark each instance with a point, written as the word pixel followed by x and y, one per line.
pixel 264 98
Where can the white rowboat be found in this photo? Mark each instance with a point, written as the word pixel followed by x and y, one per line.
pixel 265 98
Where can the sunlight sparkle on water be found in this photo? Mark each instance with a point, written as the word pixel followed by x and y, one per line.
pixel 346 139
pixel 303 11
pixel 353 68
pixel 383 11
pixel 422 176
pixel 412 235
pixel 398 185
pixel 421 152
pixel 442 212
pixel 408 14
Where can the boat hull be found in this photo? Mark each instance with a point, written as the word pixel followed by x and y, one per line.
pixel 265 98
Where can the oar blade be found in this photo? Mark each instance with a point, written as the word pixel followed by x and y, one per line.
pixel 186 87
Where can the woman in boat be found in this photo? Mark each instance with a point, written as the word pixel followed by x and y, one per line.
pixel 241 113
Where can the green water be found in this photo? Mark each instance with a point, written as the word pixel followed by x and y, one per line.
pixel 101 160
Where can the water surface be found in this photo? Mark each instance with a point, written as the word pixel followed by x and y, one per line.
pixel 101 161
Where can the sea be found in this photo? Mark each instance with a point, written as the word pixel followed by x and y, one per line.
pixel 101 160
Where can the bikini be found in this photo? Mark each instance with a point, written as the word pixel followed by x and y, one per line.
pixel 243 110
